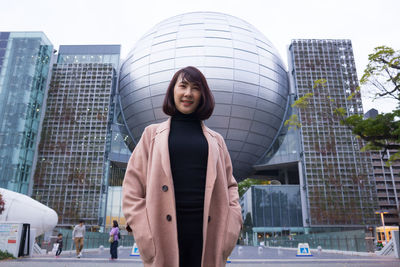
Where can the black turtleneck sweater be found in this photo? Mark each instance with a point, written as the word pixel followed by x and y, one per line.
pixel 188 151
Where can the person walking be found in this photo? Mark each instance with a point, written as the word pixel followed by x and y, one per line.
pixel 115 235
pixel 179 195
pixel 59 241
pixel 78 235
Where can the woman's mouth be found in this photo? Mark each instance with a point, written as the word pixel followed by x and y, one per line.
pixel 187 103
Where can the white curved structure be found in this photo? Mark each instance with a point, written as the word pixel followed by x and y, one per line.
pixel 21 208
pixel 242 67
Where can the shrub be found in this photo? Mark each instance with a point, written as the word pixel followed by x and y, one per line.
pixel 4 255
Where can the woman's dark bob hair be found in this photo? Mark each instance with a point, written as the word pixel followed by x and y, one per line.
pixel 191 75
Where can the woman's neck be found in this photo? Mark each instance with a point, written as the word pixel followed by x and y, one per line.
pixel 184 117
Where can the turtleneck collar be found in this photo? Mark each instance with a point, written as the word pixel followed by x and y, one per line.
pixel 185 117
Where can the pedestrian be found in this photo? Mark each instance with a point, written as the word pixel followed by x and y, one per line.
pixel 59 241
pixel 78 235
pixel 114 235
pixel 179 195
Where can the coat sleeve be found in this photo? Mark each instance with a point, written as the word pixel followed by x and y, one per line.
pixel 234 204
pixel 134 196
pixel 235 221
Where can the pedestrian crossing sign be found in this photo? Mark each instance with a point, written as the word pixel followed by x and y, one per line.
pixel 135 250
pixel 303 250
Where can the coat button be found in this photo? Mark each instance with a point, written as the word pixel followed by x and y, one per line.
pixel 164 188
pixel 209 218
pixel 169 218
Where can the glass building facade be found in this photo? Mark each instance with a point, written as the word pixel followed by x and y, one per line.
pixel 121 146
pixel 273 206
pixel 24 67
pixel 70 54
pixel 71 175
pixel 336 177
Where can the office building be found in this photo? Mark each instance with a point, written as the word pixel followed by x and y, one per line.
pixel 387 185
pixel 387 177
pixel 24 71
pixel 336 178
pixel 72 167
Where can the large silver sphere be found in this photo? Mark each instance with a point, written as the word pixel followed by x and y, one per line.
pixel 243 69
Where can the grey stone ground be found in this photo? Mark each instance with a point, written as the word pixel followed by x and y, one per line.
pixel 249 257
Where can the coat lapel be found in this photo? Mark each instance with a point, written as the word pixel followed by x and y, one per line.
pixel 211 175
pixel 212 160
pixel 162 133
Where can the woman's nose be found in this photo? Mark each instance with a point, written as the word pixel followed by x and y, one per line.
pixel 188 91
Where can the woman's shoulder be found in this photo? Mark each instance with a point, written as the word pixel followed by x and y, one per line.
pixel 156 127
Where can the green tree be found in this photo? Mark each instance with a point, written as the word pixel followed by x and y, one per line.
pixel 383 74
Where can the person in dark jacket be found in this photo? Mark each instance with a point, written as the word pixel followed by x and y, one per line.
pixel 60 245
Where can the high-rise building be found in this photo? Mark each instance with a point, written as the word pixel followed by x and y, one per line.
pixel 336 177
pixel 387 178
pixel 24 68
pixel 72 167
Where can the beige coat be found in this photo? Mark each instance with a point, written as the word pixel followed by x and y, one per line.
pixel 148 200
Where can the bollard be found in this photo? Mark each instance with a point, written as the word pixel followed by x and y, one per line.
pixel 260 250
pixel 101 249
pixel 280 252
pixel 240 250
pixel 319 249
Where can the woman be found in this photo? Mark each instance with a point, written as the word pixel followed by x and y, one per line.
pixel 179 195
pixel 114 245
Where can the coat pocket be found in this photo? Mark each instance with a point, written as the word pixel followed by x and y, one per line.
pixel 144 238
pixel 232 232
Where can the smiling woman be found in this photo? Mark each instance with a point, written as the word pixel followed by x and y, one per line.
pixel 179 195
pixel 186 96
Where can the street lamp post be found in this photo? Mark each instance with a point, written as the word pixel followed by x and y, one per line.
pixel 381 212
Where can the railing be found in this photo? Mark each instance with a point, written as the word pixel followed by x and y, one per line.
pixel 334 243
pixel 352 240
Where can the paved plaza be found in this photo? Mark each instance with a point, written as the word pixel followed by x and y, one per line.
pixel 248 256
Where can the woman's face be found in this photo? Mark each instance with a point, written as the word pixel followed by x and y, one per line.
pixel 186 96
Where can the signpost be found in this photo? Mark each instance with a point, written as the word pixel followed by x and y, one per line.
pixel 135 250
pixel 303 250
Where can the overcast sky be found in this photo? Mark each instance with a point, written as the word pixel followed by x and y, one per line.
pixel 367 23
